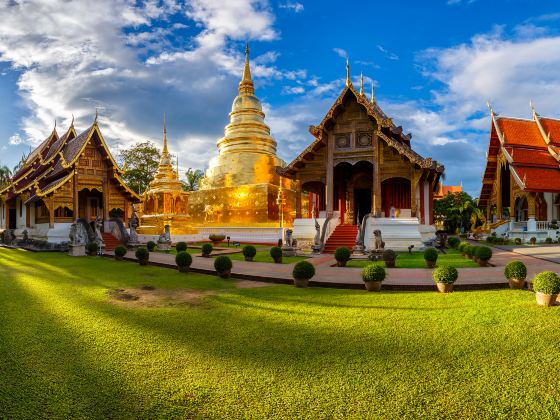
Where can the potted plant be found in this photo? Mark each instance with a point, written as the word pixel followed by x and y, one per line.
pixel 373 275
pixel 181 247
pixel 444 278
pixel 546 286
pixel 120 252
pixel 183 260
pixel 249 252
pixel 151 245
pixel 216 238
pixel 548 240
pixel 92 249
pixel 389 257
pixel 431 256
pixel 553 224
pixel 474 251
pixel 533 240
pixel 302 273
pixel 469 250
pixel 516 273
pixel 223 266
pixel 342 255
pixel 453 242
pixel 483 255
pixel 462 247
pixel 207 250
pixel 142 255
pixel 276 254
pixel 517 241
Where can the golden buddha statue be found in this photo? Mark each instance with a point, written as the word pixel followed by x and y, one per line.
pixel 241 186
pixel 165 202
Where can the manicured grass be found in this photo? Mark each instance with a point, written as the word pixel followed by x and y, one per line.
pixel 264 256
pixel 416 260
pixel 67 351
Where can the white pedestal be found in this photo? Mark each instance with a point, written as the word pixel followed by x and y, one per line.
pixel 531 224
pixel 77 250
pixel 397 233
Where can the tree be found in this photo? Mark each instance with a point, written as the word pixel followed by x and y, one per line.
pixel 193 179
pixel 457 210
pixel 5 175
pixel 140 162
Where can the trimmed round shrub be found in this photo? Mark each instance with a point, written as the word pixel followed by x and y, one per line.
pixel 546 282
pixel 463 245
pixel 483 253
pixel 373 272
pixel 515 270
pixel 183 259
pixel 207 249
pixel 222 264
pixel 517 241
pixel 548 240
pixel 469 250
pixel 453 242
pixel 533 240
pixel 151 245
pixel 120 251
pixel 431 254
pixel 142 255
pixel 249 251
pixel 216 237
pixel 491 239
pixel 342 254
pixel 303 270
pixel 92 248
pixel 276 253
pixel 389 255
pixel 445 275
pixel 181 247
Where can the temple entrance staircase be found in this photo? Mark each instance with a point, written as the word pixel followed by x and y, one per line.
pixel 110 241
pixel 343 235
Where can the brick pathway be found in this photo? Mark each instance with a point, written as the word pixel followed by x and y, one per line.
pixel 350 278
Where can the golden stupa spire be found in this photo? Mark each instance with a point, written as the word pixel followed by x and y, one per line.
pixel 165 151
pixel 246 85
pixel 362 83
pixel 348 81
pixel 372 93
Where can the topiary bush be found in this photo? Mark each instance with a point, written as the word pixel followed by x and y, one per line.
pixel 515 270
pixel 389 257
pixel 431 254
pixel 303 270
pixel 469 250
pixel 342 255
pixel 462 247
pixel 223 266
pixel 207 250
pixel 548 240
pixel 151 245
pixel 483 253
pixel 446 275
pixel 276 254
pixel 491 239
pixel 142 255
pixel 216 238
pixel 120 252
pixel 517 241
pixel 533 240
pixel 453 242
pixel 181 247
pixel 183 260
pixel 249 252
pixel 92 248
pixel 547 283
pixel 373 272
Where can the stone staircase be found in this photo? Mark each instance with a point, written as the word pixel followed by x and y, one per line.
pixel 110 241
pixel 343 235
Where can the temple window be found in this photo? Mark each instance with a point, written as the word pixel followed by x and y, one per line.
pixel 63 212
pixel 41 213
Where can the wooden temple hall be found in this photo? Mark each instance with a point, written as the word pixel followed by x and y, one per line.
pixel 521 182
pixel 361 163
pixel 66 177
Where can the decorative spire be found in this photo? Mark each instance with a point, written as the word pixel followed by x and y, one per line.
pixel 54 129
pixel 177 167
pixel 72 122
pixel 246 85
pixel 348 81
pixel 489 105
pixel 164 152
pixel 96 115
pixel 362 83
pixel 533 109
pixel 372 93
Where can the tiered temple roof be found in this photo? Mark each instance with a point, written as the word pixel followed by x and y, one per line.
pixel 531 147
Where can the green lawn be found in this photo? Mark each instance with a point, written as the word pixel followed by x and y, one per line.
pixel 416 260
pixel 264 256
pixel 67 351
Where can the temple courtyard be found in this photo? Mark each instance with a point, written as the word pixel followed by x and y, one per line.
pixel 100 338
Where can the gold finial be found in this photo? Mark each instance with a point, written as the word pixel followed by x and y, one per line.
pixel 372 93
pixel 54 129
pixel 362 83
pixel 72 122
pixel 96 115
pixel 348 81
pixel 489 105
pixel 532 105
pixel 164 152
pixel 246 84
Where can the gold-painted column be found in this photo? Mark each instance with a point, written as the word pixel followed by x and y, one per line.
pixel 531 205
pixel 330 175
pixel 298 199
pixel 376 202
pixel 75 195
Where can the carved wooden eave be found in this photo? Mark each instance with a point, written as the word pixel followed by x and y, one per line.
pixel 121 182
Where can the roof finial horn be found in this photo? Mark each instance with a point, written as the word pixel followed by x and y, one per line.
pixel 164 152
pixel 72 122
pixel 361 83
pixel 348 81
pixel 489 105
pixel 372 93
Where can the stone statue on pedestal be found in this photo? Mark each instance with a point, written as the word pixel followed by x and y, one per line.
pixel 164 241
pixel 317 242
pixel 133 225
pixel 288 249
pixel 78 239
pixel 98 234
pixel 359 247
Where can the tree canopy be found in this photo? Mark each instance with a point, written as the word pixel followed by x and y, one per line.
pixel 140 162
pixel 192 181
pixel 5 175
pixel 458 210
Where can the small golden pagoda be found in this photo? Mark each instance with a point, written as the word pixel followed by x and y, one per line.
pixel 165 202
pixel 242 186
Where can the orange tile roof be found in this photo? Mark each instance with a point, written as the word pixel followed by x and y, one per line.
pixel 521 133
pixel 552 128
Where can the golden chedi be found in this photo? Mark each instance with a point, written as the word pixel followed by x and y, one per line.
pixel 241 186
pixel 165 202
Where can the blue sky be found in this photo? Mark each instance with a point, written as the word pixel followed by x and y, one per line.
pixel 434 65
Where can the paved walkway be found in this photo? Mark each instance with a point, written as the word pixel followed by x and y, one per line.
pixel 549 253
pixel 350 278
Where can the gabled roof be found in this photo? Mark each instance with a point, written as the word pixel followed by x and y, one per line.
pixel 530 147
pixel 390 133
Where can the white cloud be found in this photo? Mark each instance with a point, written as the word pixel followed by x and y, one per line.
pixel 15 140
pixel 340 52
pixel 390 55
pixel 293 90
pixel 293 6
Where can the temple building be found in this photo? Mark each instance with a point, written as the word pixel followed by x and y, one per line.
pixel 360 163
pixel 65 178
pixel 165 202
pixel 521 182
pixel 442 190
pixel 242 186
